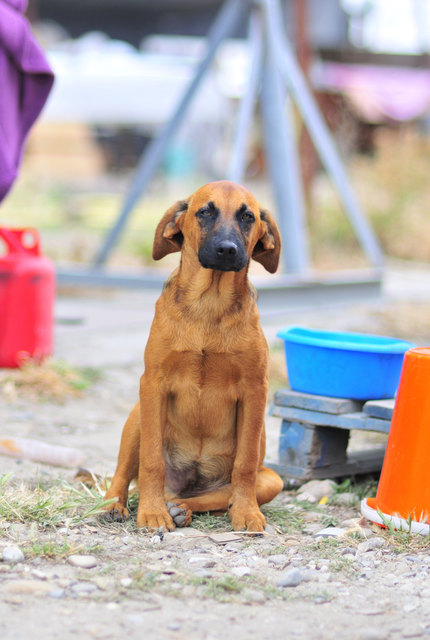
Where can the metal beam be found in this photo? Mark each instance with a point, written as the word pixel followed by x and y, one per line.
pixel 318 130
pixel 225 24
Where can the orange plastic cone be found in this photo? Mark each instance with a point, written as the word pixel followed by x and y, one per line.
pixel 403 496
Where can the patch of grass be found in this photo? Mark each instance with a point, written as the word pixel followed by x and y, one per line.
pixel 329 520
pixel 404 541
pixel 223 588
pixel 210 522
pixel 48 380
pixel 59 504
pixel 327 547
pixel 360 489
pixel 392 189
pixel 145 580
pixel 49 549
pixel 275 550
pixel 284 520
pixel 343 565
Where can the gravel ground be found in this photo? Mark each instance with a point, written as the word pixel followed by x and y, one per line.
pixel 94 579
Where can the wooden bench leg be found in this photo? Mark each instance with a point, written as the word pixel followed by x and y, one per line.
pixel 304 448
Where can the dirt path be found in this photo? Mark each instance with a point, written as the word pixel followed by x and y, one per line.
pixel 290 583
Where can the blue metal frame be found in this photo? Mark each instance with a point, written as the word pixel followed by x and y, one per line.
pixel 272 63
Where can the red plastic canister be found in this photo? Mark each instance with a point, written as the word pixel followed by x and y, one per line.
pixel 27 291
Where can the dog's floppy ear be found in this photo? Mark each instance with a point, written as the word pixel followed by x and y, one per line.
pixel 268 248
pixel 168 235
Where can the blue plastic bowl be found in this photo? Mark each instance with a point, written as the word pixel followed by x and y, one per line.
pixel 343 364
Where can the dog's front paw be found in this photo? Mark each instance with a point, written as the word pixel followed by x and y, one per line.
pixel 116 512
pixel 248 518
pixel 154 519
pixel 180 513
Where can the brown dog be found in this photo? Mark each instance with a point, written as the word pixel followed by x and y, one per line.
pixel 196 439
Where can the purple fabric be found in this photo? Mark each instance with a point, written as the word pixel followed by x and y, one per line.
pixel 379 94
pixel 25 82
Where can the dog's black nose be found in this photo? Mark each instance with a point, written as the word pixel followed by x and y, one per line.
pixel 226 248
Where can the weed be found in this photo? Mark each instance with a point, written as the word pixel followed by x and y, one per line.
pixel 48 380
pixel 343 565
pixel 211 522
pixel 329 520
pixel 284 520
pixel 327 547
pixel 275 550
pixel 60 504
pixel 49 549
pixel 219 588
pixel 146 580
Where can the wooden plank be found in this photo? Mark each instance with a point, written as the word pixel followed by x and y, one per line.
pixel 311 402
pixel 308 446
pixel 356 463
pixel 358 420
pixel 380 408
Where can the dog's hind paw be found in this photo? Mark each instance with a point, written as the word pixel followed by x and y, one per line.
pixel 179 513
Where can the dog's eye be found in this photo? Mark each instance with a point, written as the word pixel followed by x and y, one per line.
pixel 247 216
pixel 209 211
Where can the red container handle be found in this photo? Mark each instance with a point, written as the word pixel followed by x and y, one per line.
pixel 24 241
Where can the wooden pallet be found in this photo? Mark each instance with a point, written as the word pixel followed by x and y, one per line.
pixel 315 433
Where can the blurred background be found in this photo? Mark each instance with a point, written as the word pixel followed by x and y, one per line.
pixel 120 69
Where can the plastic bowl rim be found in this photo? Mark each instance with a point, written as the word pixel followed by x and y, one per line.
pixel 395 346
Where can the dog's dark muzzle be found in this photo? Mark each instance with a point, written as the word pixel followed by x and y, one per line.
pixel 223 254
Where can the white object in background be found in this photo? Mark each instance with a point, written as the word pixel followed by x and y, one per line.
pixel 40 452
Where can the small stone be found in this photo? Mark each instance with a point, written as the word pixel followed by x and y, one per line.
pixel 370 545
pixel 270 530
pixel 345 499
pixel 408 608
pixel 203 574
pixel 412 558
pixel 413 633
pixel 310 575
pixel 205 563
pixel 348 551
pixel 240 572
pixel 325 577
pixel 57 594
pixel 27 587
pixel 330 532
pixel 134 618
pixel 253 596
pixel 126 582
pixel 311 529
pixel 174 626
pixel 64 583
pixel 83 561
pixel 84 588
pixel 63 531
pixel 13 599
pixel 40 575
pixel 305 496
pixel 279 559
pixel 391 579
pixel 318 489
pixel 12 554
pixel 291 578
pixel 371 633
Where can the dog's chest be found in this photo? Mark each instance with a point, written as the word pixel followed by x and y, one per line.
pixel 196 372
